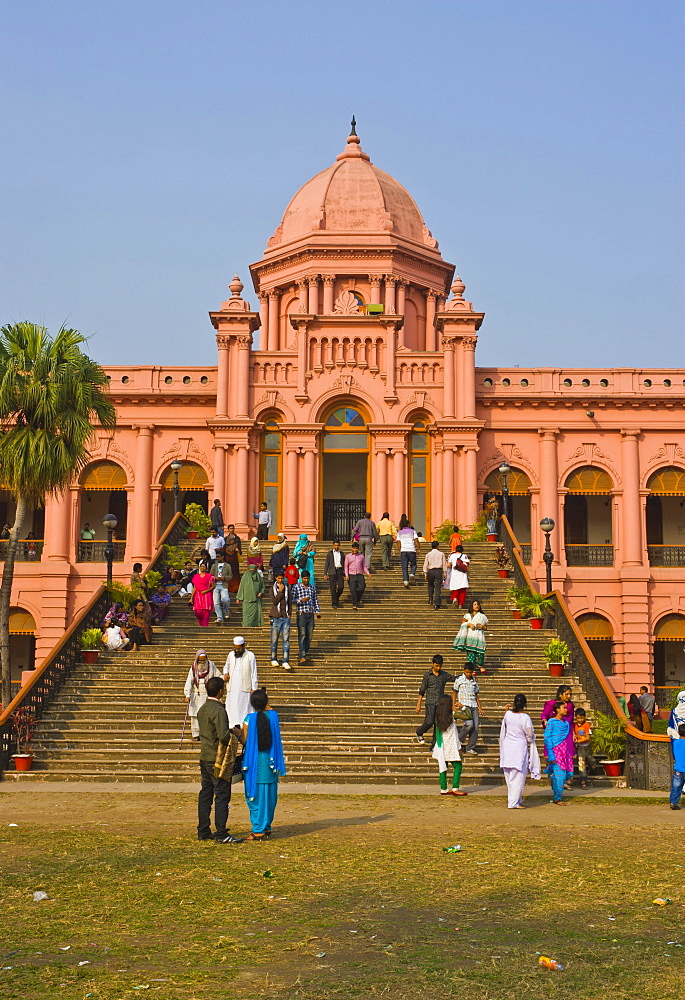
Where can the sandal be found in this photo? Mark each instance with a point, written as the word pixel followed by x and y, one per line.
pixel 255 836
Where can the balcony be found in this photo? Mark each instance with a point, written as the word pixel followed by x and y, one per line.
pixel 95 551
pixel 589 555
pixel 28 550
pixel 666 555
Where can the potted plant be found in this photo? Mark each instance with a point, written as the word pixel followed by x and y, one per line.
pixel 491 519
pixel 198 520
pixel 121 594
pixel 556 652
pixel 24 725
pixel 516 597
pixel 609 740
pixel 536 606
pixel 502 560
pixel 152 578
pixel 91 640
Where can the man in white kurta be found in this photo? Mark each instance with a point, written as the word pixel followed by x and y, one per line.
pixel 240 675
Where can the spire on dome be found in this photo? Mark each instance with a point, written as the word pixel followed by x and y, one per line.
pixel 353 147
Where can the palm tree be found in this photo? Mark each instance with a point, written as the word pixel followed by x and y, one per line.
pixel 51 395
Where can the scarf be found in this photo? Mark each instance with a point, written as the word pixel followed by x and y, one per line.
pixel 556 732
pixel 278 546
pixel 302 543
pixel 254 548
pixel 276 758
pixel 198 673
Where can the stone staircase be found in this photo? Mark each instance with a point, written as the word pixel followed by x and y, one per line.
pixel 348 717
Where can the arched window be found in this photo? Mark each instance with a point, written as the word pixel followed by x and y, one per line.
pixel 669 657
pixel 192 485
pixel 419 472
pixel 271 470
pixel 665 512
pixel 588 530
pixel 599 635
pixel 103 491
pixel 345 430
pixel 518 485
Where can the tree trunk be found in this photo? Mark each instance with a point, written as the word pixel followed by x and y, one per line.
pixel 6 597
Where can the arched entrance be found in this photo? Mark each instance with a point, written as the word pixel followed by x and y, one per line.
pixel 588 532
pixel 599 636
pixel 192 485
pixel 22 646
pixel 518 485
pixel 669 657
pixel 665 514
pixel 103 491
pixel 344 471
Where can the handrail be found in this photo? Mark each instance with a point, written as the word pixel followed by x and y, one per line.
pixel 597 677
pixel 46 681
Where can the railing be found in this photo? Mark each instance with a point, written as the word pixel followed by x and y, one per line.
pixel 60 663
pixel 28 549
pixel 589 555
pixel 527 553
pixel 648 755
pixel 666 555
pixel 664 694
pixel 95 551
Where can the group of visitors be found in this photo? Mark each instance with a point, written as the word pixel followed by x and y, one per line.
pixel 239 736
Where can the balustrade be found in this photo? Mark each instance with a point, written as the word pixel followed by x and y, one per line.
pixel 589 555
pixel 28 549
pixel 95 551
pixel 666 555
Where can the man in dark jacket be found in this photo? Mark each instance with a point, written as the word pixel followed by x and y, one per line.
pixel 279 613
pixel 334 569
pixel 213 723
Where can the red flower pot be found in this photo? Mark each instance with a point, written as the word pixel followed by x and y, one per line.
pixel 23 761
pixel 556 669
pixel 536 622
pixel 192 534
pixel 90 655
pixel 516 613
pixel 613 768
pixel 504 573
pixel 492 536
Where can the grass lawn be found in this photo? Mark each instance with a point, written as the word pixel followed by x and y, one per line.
pixel 354 897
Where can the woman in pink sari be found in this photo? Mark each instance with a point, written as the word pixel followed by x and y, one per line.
pixel 203 595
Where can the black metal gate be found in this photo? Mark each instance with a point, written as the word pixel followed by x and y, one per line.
pixel 340 516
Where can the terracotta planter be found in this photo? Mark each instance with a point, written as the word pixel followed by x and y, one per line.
pixel 556 669
pixel 536 622
pixel 192 534
pixel 22 761
pixel 516 613
pixel 613 768
pixel 504 573
pixel 90 655
pixel 492 536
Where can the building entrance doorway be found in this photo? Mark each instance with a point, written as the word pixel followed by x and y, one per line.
pixel 344 486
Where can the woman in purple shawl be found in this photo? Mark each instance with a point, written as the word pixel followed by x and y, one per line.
pixel 563 694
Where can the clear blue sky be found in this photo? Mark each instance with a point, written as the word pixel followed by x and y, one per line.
pixel 151 146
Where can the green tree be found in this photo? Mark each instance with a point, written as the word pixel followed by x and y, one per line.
pixel 52 396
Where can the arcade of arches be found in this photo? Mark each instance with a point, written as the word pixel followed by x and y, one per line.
pixel 350 381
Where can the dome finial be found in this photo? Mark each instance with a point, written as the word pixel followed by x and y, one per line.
pixel 353 124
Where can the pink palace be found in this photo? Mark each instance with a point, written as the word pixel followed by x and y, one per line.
pixel 353 384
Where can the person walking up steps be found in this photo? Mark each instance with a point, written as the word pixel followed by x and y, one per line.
pixel 387 533
pixel 432 689
pixel 409 545
pixel 434 569
pixel 447 746
pixel 366 533
pixel 458 575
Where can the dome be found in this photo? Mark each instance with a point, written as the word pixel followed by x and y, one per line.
pixel 352 197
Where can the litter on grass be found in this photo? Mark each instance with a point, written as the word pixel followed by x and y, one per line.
pixel 452 850
pixel 320 954
pixel 13 824
pixel 550 963
pixel 661 902
pixel 84 963
pixel 65 948
pixel 268 874
pixel 38 896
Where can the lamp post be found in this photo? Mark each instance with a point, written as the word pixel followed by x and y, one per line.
pixel 110 522
pixel 504 471
pixel 176 466
pixel 547 525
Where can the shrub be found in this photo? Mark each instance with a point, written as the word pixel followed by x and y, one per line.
pixel 197 519
pixel 91 638
pixel 608 736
